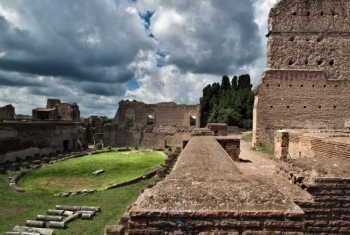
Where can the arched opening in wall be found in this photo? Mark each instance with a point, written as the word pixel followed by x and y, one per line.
pixel 216 133
pixel 308 13
pixel 130 117
pixel 150 119
pixel 65 145
pixel 130 120
pixel 331 62
pixel 193 120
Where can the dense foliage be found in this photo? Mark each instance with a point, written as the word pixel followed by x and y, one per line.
pixel 231 102
pixel 104 120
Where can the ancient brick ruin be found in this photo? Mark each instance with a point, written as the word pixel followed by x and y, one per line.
pixel 55 110
pixel 7 112
pixel 140 124
pixel 306 82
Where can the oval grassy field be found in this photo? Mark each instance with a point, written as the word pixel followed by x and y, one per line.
pixel 76 174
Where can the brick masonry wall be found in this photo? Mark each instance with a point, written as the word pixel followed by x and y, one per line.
pixel 216 222
pixel 328 213
pixel 26 139
pixel 299 100
pixel 165 113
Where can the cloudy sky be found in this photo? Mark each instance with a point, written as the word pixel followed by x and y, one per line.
pixel 98 52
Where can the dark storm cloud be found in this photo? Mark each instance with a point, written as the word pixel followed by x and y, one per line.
pixel 77 40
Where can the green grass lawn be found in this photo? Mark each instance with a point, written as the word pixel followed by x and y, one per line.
pixel 76 174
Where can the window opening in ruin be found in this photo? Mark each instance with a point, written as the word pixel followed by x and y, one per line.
pixel 267 85
pixel 130 121
pixel 278 85
pixel 193 120
pixel 333 13
pixel 294 13
pixel 319 62
pixel 216 133
pixel 301 85
pixel 331 62
pixel 308 13
pixel 306 62
pixel 334 106
pixel 167 143
pixel 313 85
pixel 150 120
pixel 304 107
pixel 271 107
pixel 321 13
pixel 65 145
pixel 319 107
pixel 324 85
pixel 290 85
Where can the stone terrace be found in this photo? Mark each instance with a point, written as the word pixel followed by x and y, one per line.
pixel 206 194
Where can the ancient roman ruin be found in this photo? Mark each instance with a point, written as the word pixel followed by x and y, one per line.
pixel 139 124
pixel 7 111
pixel 217 184
pixel 301 112
pixel 306 82
pixel 55 110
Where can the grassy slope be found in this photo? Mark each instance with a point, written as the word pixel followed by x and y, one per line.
pixel 16 208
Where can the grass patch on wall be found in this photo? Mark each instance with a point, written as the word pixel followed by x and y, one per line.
pixel 16 208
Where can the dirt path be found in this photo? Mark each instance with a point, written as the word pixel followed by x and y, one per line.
pixel 255 163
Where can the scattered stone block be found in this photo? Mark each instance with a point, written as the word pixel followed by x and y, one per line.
pixel 54 212
pixel 25 165
pixel 35 223
pixel 98 172
pixel 49 218
pixel 56 224
pixel 114 230
pixel 42 231
pixel 45 160
pixel 14 167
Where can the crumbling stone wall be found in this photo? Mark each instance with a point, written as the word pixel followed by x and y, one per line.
pixel 151 124
pixel 55 110
pixel 220 129
pixel 22 140
pixel 306 81
pixel 7 112
pixel 166 113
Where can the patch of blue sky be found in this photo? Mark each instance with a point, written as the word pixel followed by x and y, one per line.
pixel 132 84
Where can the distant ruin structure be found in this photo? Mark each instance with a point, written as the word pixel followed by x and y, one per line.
pixel 55 110
pixel 7 112
pixel 140 124
pixel 307 78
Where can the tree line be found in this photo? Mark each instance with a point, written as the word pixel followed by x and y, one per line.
pixel 230 102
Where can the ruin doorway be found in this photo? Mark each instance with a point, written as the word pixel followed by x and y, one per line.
pixel 193 120
pixel 65 145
